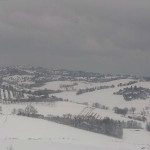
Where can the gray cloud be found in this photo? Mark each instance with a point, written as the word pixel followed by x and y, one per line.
pixel 94 35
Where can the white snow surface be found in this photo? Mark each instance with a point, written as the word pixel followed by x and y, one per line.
pixel 35 134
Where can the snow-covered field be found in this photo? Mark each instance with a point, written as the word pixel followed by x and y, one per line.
pixel 55 85
pixel 61 108
pixel 106 96
pixel 35 134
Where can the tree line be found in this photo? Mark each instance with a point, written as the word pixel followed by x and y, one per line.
pixel 82 91
pixel 105 126
pixel 133 93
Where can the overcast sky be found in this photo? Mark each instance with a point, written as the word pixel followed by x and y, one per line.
pixel 107 36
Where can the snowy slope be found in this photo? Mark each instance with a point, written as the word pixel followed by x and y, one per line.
pixel 61 108
pixel 27 133
pixel 34 134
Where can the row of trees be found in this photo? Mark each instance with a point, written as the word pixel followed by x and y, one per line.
pixel 130 124
pixel 12 93
pixel 68 87
pixel 126 84
pixel 82 91
pixel 104 126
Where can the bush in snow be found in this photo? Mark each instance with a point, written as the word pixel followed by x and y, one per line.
pixel 122 111
pixel 97 105
pixel 20 111
pixel 148 126
pixel 14 111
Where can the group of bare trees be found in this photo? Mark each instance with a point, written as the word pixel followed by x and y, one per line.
pixel 133 93
pixel 130 124
pixel 29 110
pixel 12 93
pixel 82 91
pixel 68 87
pixel 124 111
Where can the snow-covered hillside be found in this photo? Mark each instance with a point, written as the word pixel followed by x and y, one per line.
pixel 106 96
pixel 81 95
pixel 62 108
pixel 26 133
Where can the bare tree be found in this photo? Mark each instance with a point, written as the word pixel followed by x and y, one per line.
pixel 10 148
pixel 133 109
pixel 30 110
pixel 0 109
pixel 14 111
